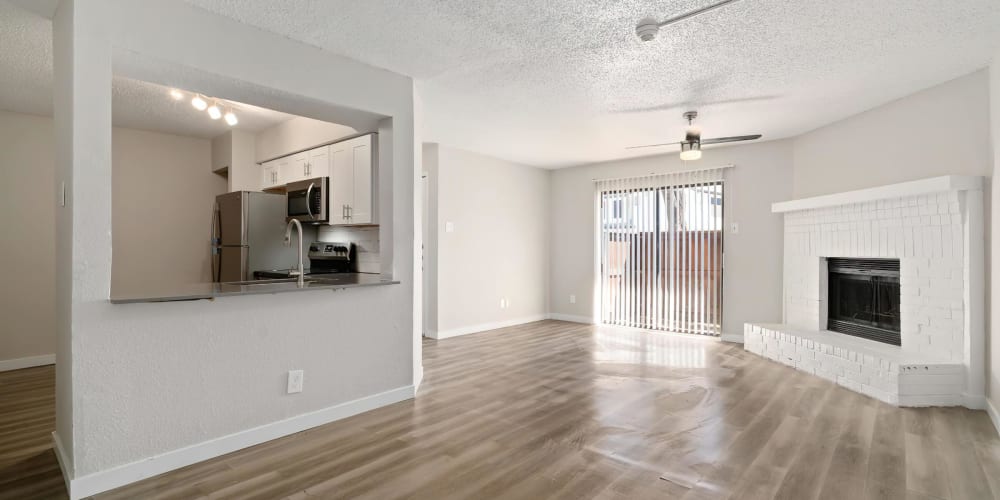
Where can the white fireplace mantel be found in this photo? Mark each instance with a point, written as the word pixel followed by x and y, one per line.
pixel 931 185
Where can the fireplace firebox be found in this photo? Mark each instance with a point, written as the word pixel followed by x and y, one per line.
pixel 863 298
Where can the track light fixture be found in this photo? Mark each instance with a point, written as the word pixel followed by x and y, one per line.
pixel 200 103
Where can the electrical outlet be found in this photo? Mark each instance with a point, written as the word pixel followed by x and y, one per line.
pixel 503 303
pixel 295 378
pixel 572 299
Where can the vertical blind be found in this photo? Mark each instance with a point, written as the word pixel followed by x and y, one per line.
pixel 660 243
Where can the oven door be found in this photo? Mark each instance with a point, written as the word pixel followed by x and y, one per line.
pixel 308 200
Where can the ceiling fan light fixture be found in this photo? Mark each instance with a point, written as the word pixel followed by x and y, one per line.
pixel 690 151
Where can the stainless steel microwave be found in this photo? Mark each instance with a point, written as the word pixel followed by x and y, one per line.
pixel 309 200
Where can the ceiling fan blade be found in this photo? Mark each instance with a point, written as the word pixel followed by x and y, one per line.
pixel 653 145
pixel 738 138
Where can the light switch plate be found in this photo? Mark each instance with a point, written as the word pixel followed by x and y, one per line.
pixel 572 299
pixel 735 227
pixel 449 227
pixel 295 379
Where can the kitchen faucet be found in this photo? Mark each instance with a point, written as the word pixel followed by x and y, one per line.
pixel 288 243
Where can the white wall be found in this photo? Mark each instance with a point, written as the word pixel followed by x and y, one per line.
pixel 941 130
pixel 993 256
pixel 234 152
pixel 298 134
pixel 499 246
pixel 27 247
pixel 752 277
pixel 139 375
pixel 163 192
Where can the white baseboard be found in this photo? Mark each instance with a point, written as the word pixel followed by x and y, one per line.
pixel 7 365
pixel 571 318
pixel 482 327
pixel 994 414
pixel 65 464
pixel 732 337
pixel 91 484
pixel 974 402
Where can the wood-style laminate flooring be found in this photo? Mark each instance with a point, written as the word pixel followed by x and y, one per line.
pixel 562 410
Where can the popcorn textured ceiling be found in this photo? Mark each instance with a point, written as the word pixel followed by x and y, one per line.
pixel 565 82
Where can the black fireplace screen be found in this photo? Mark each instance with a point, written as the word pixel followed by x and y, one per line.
pixel 864 298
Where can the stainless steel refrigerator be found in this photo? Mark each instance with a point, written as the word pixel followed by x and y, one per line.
pixel 248 234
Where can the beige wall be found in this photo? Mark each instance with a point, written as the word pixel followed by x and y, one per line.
pixel 939 131
pixel 499 246
pixel 27 245
pixel 752 282
pixel 163 193
pixel 298 134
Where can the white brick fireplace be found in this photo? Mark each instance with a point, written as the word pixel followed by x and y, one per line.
pixel 934 227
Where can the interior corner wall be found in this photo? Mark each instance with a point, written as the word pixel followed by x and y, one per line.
pixel 492 241
pixel 753 255
pixel 27 213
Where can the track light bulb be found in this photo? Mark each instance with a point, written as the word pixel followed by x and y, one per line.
pixel 199 103
pixel 176 94
pixel 214 112
pixel 231 118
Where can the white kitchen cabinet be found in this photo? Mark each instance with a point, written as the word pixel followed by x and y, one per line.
pixel 351 181
pixel 305 165
pixel 293 168
pixel 270 175
pixel 318 162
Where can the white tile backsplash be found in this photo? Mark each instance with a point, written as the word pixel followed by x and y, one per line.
pixel 366 241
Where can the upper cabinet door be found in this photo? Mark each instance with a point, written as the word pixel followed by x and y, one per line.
pixel 360 209
pixel 341 182
pixel 293 168
pixel 269 174
pixel 318 162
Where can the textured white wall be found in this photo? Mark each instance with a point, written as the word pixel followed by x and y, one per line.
pixel 27 248
pixel 752 278
pixel 163 191
pixel 499 246
pixel 143 374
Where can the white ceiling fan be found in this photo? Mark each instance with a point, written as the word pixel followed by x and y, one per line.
pixel 691 145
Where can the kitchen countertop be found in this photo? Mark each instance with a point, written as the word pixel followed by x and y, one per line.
pixel 202 291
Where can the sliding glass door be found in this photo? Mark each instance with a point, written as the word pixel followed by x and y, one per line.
pixel 660 252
